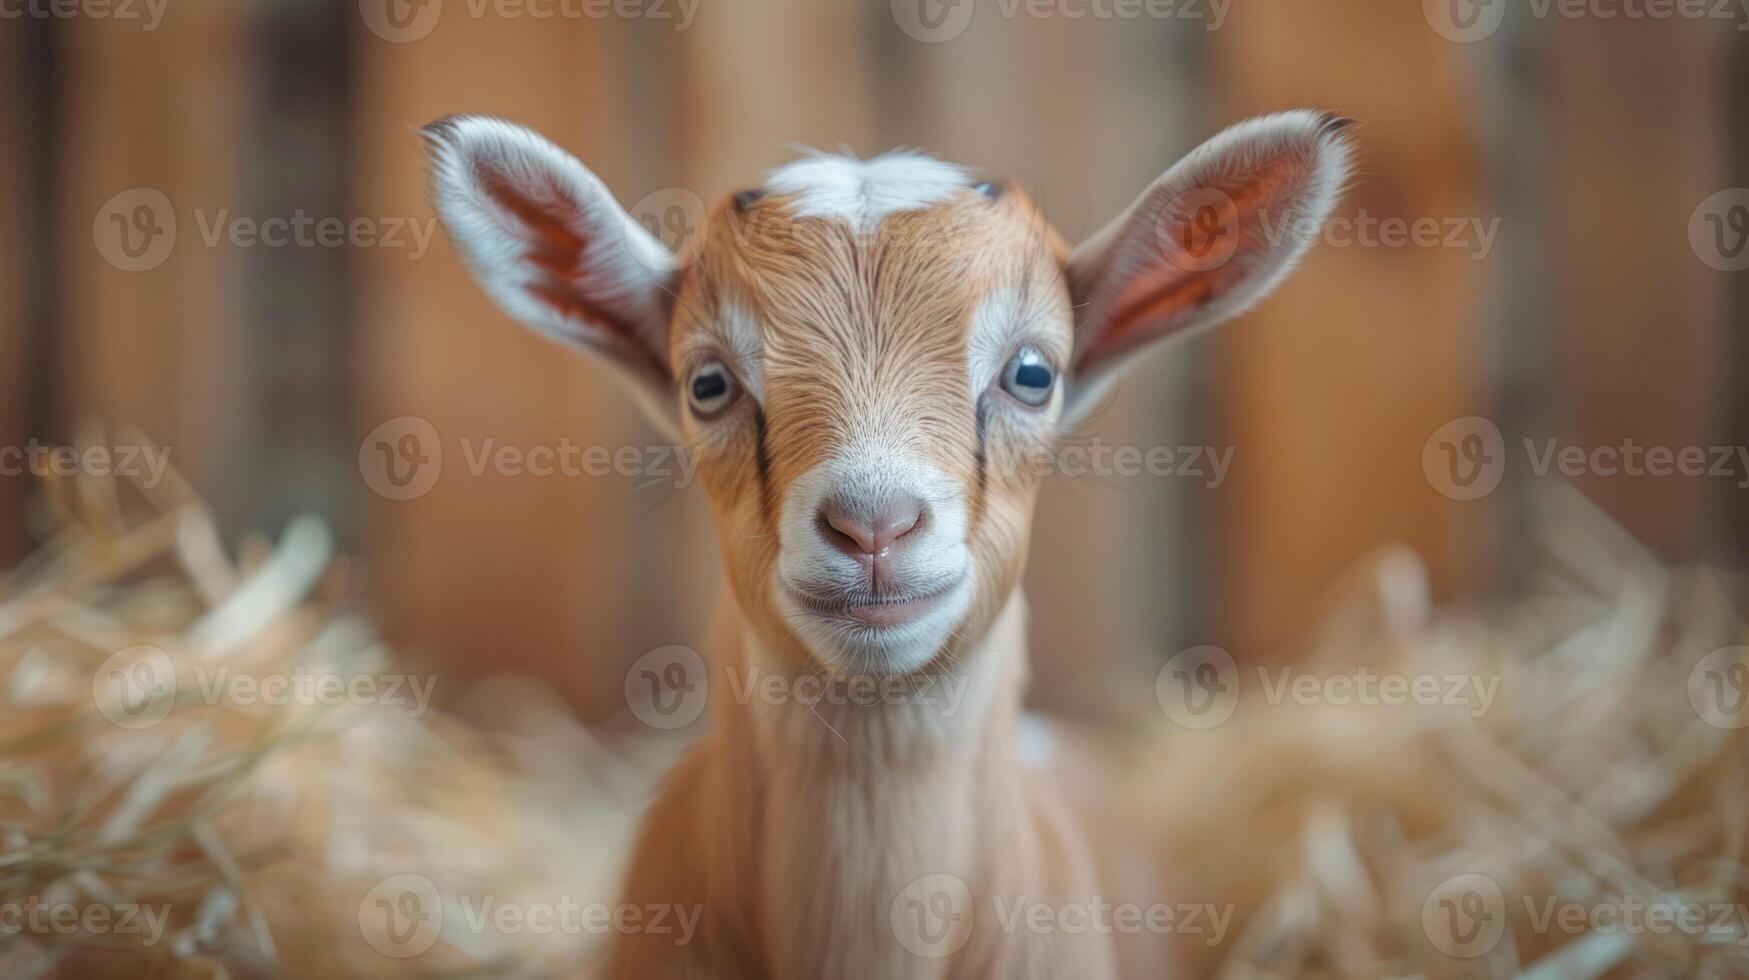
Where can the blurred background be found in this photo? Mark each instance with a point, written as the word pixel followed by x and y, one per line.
pixel 1562 267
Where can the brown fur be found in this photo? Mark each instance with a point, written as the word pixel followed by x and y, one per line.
pixel 796 828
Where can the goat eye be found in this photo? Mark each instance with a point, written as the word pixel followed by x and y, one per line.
pixel 1028 377
pixel 712 389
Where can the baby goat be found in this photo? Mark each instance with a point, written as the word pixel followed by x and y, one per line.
pixel 868 358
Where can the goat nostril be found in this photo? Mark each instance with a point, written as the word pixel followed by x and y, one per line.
pixel 846 533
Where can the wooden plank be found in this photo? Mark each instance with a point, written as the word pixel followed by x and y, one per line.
pixel 1637 317
pixel 1733 428
pixel 148 154
pixel 1329 391
pixel 495 571
pixel 17 169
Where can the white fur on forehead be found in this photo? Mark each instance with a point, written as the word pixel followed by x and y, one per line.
pixel 862 193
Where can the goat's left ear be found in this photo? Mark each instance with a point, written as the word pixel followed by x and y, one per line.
pixel 1204 242
pixel 547 241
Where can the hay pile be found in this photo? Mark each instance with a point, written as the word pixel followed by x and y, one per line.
pixel 360 838
pixel 160 821
pixel 1592 821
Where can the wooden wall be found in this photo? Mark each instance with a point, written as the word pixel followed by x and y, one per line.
pixel 1329 391
pixel 16 410
pixel 265 371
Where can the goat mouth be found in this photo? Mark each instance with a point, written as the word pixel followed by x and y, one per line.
pixel 883 609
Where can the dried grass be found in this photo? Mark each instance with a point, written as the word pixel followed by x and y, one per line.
pixel 261 830
pixel 1590 786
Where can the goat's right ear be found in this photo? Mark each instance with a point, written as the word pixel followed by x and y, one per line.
pixel 547 241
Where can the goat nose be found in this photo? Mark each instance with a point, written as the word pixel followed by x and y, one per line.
pixel 870 530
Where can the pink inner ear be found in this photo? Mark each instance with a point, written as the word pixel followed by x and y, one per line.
pixel 556 248
pixel 1161 296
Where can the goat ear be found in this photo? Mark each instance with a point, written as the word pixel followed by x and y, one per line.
pixel 1204 242
pixel 546 240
